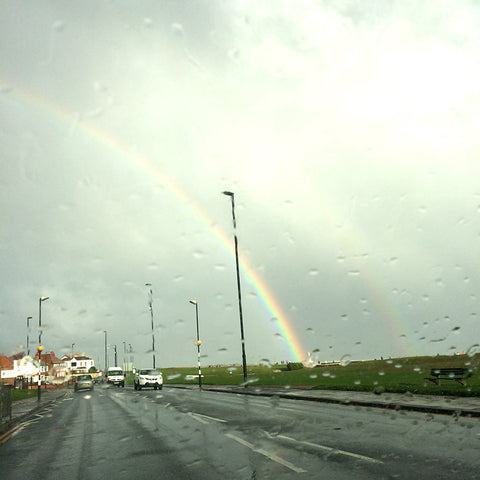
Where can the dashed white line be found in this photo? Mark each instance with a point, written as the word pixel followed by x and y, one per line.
pixel 198 419
pixel 219 420
pixel 271 456
pixel 330 449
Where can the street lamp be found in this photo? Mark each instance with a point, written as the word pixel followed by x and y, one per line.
pixel 39 388
pixel 40 300
pixel 150 304
pixel 28 335
pixel 244 358
pixel 194 302
pixel 106 359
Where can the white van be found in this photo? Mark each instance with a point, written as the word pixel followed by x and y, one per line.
pixel 115 376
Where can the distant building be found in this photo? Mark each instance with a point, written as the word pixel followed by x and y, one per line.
pixel 6 370
pixel 78 363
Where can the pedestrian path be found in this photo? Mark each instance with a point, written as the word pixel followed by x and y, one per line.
pixel 23 408
pixel 458 406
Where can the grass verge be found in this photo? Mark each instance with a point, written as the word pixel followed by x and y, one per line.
pixel 399 375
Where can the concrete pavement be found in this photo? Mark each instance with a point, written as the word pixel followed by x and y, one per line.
pixel 457 406
pixel 23 409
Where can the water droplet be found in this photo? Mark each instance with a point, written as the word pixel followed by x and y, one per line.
pixel 455 329
pixel 249 380
pixel 398 365
pixel 222 349
pixel 381 373
pixel 198 254
pixel 417 369
pixel 220 266
pixel 58 26
pixel 313 375
pixel 177 29
pixel 354 273
pixel 474 349
pixel 326 374
pixel 173 376
pixel 310 330
pixel 340 259
pixel 147 22
pixel 357 382
pixel 313 272
pixel 345 360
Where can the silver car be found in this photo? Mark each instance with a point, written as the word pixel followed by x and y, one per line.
pixel 83 382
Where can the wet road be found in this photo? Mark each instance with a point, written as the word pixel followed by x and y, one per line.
pixel 182 434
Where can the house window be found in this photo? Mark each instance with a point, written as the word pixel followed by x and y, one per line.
pixel 74 364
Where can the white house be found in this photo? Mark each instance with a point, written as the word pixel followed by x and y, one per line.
pixel 78 363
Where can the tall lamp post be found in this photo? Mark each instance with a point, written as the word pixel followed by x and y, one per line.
pixel 106 358
pixel 194 302
pixel 150 305
pixel 40 300
pixel 244 358
pixel 39 385
pixel 28 335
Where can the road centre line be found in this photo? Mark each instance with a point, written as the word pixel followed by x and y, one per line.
pixel 329 449
pixel 198 419
pixel 271 456
pixel 220 420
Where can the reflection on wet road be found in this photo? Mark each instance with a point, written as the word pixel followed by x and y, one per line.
pixel 175 433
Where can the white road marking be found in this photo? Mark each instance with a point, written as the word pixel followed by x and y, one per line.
pixel 271 456
pixel 330 449
pixel 198 419
pixel 220 420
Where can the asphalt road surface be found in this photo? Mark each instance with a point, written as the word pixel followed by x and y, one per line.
pixel 187 434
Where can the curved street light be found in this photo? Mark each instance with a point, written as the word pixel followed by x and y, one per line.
pixel 40 300
pixel 28 335
pixel 150 304
pixel 198 343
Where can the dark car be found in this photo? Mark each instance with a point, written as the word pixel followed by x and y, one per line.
pixel 83 382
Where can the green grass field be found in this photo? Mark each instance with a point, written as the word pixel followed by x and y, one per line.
pixel 21 394
pixel 400 375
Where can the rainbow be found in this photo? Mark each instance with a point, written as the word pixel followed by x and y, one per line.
pixel 263 291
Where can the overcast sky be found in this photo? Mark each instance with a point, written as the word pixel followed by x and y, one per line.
pixel 348 131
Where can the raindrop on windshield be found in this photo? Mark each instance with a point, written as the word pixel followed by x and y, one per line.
pixel 345 360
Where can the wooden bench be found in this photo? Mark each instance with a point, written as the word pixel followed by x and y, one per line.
pixel 457 374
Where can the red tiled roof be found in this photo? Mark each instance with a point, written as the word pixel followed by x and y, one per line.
pixel 5 363
pixel 50 358
pixel 17 356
